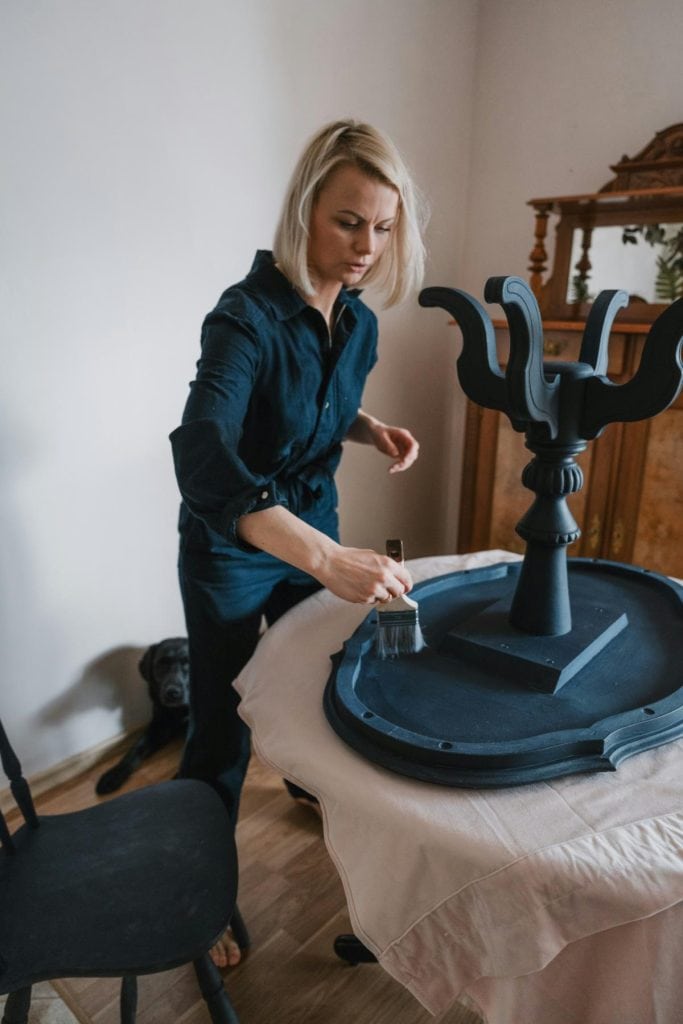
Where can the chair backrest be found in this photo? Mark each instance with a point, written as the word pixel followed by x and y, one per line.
pixel 19 788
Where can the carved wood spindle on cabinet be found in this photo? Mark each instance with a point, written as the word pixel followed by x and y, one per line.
pixel 584 265
pixel 538 255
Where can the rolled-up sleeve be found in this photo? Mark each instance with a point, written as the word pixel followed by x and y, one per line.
pixel 215 483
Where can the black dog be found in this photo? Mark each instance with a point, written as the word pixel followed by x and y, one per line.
pixel 165 667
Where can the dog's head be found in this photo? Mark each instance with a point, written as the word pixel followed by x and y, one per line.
pixel 166 668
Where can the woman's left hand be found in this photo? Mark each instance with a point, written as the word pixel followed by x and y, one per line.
pixel 398 443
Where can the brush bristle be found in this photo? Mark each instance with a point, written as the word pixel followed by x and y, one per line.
pixel 398 633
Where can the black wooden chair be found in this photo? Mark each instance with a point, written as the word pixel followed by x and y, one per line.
pixel 143 883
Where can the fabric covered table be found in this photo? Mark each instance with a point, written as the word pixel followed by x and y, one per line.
pixel 558 902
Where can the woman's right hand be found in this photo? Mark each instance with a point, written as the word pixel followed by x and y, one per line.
pixel 363 576
pixel 360 575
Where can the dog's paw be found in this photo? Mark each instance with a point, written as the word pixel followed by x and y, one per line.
pixel 112 780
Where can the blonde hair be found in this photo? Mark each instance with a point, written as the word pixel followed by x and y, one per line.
pixel 401 266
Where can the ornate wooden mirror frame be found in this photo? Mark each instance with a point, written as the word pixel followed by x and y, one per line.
pixel 646 190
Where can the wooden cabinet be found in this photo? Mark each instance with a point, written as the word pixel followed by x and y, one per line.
pixel 630 508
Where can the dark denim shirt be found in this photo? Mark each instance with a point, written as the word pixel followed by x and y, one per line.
pixel 273 398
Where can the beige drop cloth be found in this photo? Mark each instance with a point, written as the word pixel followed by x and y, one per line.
pixel 520 897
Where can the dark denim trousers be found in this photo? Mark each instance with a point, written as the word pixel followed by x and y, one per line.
pixel 225 600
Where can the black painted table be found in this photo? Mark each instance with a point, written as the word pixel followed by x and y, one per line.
pixel 485 704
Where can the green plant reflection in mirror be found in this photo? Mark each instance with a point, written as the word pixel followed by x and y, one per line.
pixel 646 260
pixel 667 241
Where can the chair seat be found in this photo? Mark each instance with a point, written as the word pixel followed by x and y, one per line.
pixel 167 849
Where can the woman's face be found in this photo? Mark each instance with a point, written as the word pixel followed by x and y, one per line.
pixel 351 223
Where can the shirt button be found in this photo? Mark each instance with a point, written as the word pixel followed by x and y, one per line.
pixel 327 405
pixel 264 495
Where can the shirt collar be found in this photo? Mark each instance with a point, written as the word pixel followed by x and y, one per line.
pixel 282 296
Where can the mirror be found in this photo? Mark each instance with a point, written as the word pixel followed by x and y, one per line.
pixel 645 260
pixel 627 235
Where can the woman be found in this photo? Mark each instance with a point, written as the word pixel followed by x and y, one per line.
pixel 285 355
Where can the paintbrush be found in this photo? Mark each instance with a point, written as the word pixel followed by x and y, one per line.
pixel 398 626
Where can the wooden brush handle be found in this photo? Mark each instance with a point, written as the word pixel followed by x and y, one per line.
pixel 394 549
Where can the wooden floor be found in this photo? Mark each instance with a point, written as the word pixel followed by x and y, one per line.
pixel 293 904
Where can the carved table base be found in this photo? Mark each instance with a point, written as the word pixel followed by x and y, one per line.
pixel 456 716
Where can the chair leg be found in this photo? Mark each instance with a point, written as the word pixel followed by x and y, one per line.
pixel 129 998
pixel 219 1006
pixel 239 929
pixel 17 1006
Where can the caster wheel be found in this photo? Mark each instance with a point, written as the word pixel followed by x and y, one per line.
pixel 352 950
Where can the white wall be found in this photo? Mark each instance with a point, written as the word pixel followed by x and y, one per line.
pixel 146 144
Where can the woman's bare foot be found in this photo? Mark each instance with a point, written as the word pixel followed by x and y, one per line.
pixel 226 952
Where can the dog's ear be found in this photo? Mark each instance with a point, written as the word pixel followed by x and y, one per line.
pixel 146 663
